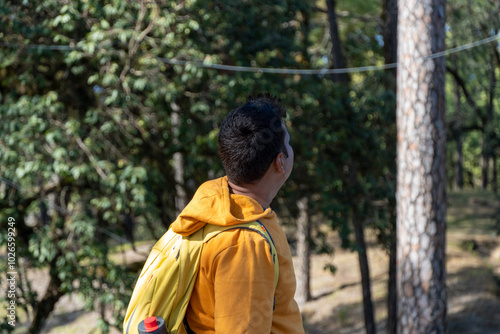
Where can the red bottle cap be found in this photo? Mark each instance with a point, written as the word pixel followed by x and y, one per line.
pixel 150 324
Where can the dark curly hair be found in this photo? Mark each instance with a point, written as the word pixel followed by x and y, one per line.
pixel 251 137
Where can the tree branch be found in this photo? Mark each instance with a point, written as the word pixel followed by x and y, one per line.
pixel 133 43
pixel 91 158
pixel 461 84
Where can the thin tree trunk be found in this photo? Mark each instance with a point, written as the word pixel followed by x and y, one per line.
pixel 494 181
pixel 457 132
pixel 52 295
pixel 303 293
pixel 365 275
pixel 180 192
pixel 421 185
pixel 337 56
pixel 392 293
pixel 485 160
pixel 460 159
pixel 390 28
pixel 338 61
pixel 496 62
pixel 487 131
pixel 46 305
pixel 390 25
pixel 181 196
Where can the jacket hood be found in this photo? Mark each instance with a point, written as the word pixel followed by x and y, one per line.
pixel 214 204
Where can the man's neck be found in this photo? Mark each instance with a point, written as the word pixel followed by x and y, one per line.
pixel 253 191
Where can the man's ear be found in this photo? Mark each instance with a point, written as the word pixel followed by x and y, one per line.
pixel 279 163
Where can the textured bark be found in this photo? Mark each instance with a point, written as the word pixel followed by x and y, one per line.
pixel 421 184
pixel 337 56
pixel 303 293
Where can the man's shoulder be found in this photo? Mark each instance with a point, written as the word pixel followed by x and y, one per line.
pixel 235 235
pixel 236 239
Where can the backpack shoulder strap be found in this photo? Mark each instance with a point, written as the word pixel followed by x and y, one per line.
pixel 212 230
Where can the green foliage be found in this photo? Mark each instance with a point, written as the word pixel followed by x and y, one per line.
pixel 476 73
pixel 87 133
pixel 88 137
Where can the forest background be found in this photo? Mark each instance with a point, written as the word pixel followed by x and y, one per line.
pixel 110 115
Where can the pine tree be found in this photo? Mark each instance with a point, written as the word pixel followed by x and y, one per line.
pixel 421 185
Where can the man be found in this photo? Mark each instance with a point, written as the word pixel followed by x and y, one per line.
pixel 235 290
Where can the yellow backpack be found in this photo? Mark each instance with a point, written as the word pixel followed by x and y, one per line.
pixel 166 282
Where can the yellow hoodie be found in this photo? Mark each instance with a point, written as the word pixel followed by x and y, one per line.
pixel 234 289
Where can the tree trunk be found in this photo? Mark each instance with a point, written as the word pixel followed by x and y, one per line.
pixel 485 160
pixel 49 300
pixel 180 192
pixel 494 181
pixel 390 28
pixel 303 293
pixel 460 159
pixel 338 61
pixel 392 293
pixel 495 62
pixel 487 129
pixel 457 132
pixel 390 33
pixel 365 275
pixel 421 185
pixel 337 56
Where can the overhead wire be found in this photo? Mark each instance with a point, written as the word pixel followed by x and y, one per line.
pixel 270 70
pixel 324 71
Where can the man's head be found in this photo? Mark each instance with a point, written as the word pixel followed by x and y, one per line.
pixel 251 137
